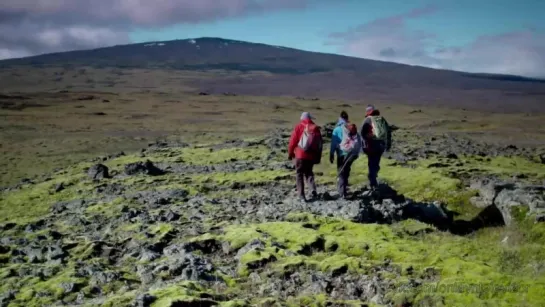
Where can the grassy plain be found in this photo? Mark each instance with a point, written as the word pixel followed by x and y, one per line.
pixel 57 125
pixel 66 115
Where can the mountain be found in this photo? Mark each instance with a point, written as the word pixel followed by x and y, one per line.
pixel 302 73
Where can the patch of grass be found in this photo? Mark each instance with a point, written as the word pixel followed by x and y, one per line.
pixel 255 259
pixel 108 209
pixel 294 236
pixel 509 166
pixel 205 156
pixel 120 299
pixel 238 236
pixel 178 293
pixel 53 286
pixel 477 260
pixel 235 303
pixel 34 201
pixel 161 229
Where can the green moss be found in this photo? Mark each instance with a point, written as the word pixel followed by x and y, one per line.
pixel 508 166
pixel 109 209
pixel 519 213
pixel 4 258
pixel 294 236
pixel 319 300
pixel 32 202
pixel 161 229
pixel 130 227
pixel 351 247
pixel 181 292
pixel 338 264
pixel 238 236
pixel 52 286
pixel 269 302
pixel 203 156
pixel 120 299
pixel 235 303
pixel 255 259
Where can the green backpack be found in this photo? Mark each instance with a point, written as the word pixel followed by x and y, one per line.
pixel 380 128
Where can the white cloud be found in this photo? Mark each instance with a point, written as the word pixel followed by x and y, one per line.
pixel 40 26
pixel 389 39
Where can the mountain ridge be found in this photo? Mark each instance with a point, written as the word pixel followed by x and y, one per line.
pixel 160 43
pixel 281 71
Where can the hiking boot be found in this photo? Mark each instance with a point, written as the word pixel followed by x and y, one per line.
pixel 314 195
pixel 302 199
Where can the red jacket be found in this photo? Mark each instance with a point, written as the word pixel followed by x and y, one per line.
pixel 293 148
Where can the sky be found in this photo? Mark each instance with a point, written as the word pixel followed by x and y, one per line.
pixel 489 36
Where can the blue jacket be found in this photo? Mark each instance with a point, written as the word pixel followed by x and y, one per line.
pixel 337 138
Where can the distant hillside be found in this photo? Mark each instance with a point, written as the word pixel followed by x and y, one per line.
pixel 297 72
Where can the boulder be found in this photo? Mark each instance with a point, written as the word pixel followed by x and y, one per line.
pixel 143 167
pixel 506 196
pixel 98 171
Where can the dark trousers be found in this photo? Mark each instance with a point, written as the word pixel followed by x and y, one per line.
pixel 344 166
pixel 304 173
pixel 373 163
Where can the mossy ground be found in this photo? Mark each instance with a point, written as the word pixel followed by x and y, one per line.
pixel 307 242
pixel 477 269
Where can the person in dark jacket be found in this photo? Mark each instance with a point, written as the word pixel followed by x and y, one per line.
pixel 377 138
pixel 305 131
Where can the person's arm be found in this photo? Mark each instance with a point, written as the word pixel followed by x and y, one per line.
pixel 294 139
pixel 320 149
pixel 364 133
pixel 388 136
pixel 335 141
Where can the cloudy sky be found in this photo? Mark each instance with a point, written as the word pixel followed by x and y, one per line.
pixel 494 36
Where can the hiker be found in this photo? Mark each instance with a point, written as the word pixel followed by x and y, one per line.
pixel 377 138
pixel 306 147
pixel 346 144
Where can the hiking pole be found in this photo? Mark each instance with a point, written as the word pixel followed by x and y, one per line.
pixel 345 163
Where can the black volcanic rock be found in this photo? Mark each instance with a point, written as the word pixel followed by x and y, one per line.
pixel 143 167
pixel 98 171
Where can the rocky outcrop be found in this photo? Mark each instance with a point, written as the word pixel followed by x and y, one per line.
pixel 509 196
pixel 98 171
pixel 143 168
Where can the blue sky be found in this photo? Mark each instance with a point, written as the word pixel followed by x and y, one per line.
pixel 496 36
pixel 455 22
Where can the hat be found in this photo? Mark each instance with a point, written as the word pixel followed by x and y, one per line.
pixel 370 108
pixel 306 115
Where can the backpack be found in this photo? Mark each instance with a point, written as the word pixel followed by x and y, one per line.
pixel 310 139
pixel 380 128
pixel 350 144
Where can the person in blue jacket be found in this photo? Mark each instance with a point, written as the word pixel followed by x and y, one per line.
pixel 343 165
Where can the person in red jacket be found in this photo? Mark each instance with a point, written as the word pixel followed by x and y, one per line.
pixel 306 147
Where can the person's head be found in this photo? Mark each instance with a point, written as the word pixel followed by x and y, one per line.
pixel 306 116
pixel 344 116
pixel 370 109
